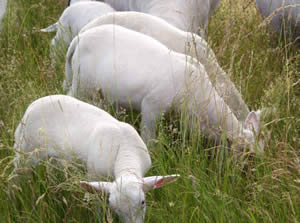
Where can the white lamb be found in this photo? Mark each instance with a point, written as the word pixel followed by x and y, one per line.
pixel 138 72
pixel 63 126
pixel 187 15
pixel 181 42
pixel 72 20
pixel 284 15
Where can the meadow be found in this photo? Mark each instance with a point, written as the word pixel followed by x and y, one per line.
pixel 214 186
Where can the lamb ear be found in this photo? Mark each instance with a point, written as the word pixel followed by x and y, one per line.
pixel 158 181
pixel 259 113
pixel 99 187
pixel 252 121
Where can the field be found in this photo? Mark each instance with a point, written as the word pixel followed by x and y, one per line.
pixel 214 186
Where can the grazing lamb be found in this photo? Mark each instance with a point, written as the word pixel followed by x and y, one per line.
pixel 181 42
pixel 2 11
pixel 185 15
pixel 138 72
pixel 73 19
pixel 284 15
pixel 63 126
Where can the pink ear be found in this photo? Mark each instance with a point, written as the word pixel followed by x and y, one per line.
pixel 158 181
pixel 252 121
pixel 93 187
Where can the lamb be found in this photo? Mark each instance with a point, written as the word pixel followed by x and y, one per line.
pixel 181 42
pixel 72 20
pixel 2 11
pixel 63 126
pixel 136 71
pixel 284 15
pixel 185 15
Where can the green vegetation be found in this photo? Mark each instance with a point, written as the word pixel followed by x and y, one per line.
pixel 214 186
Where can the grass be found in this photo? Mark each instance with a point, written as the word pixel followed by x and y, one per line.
pixel 213 187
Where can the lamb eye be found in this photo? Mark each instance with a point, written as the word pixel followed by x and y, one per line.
pixel 143 202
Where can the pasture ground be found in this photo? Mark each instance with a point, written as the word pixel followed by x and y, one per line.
pixel 213 187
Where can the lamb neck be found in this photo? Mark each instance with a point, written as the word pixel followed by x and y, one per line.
pixel 210 111
pixel 128 162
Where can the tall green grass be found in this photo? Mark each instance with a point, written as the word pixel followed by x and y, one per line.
pixel 214 186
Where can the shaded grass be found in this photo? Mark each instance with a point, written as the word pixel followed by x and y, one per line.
pixel 214 187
